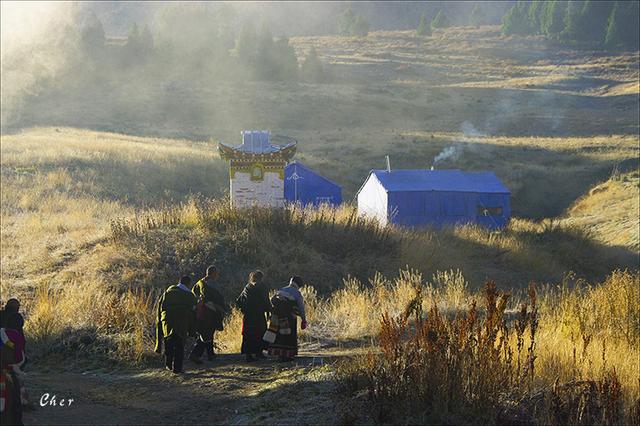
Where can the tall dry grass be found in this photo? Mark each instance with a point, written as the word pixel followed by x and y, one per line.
pixel 88 320
pixel 329 244
pixel 61 187
pixel 567 355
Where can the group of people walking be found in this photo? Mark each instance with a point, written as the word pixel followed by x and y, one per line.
pixel 183 310
pixel 268 324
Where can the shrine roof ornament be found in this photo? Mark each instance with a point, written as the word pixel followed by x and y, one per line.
pixel 256 144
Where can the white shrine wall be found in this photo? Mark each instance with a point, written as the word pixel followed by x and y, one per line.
pixel 269 192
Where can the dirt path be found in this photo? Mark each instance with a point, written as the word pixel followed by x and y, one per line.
pixel 227 390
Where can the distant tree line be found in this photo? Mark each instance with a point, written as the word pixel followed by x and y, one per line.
pixel 351 24
pixel 195 42
pixel 441 19
pixel 611 24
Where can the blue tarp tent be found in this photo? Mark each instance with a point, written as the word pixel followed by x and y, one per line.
pixel 435 197
pixel 303 185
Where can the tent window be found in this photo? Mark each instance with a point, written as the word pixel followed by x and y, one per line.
pixel 489 211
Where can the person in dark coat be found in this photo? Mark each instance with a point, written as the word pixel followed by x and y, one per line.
pixel 12 308
pixel 174 322
pixel 254 304
pixel 209 314
pixel 11 313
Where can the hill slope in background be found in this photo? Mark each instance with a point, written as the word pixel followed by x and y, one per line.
pixel 109 208
pixel 550 120
pixel 610 211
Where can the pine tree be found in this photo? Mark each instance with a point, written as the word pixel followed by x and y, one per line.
pixel 266 66
pixel 134 35
pixel 351 24
pixel 440 21
pixel 347 19
pixel 138 46
pixel 516 20
pixel 360 27
pixel 423 29
pixel 533 14
pixel 247 44
pixel 572 17
pixel 592 25
pixel 311 68
pixel 612 36
pixel 623 24
pixel 477 16
pixel 93 38
pixel 552 18
pixel 286 61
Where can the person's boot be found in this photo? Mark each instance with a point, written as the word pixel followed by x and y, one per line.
pixel 260 355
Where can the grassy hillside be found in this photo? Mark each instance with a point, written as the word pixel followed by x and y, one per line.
pixel 610 211
pixel 62 187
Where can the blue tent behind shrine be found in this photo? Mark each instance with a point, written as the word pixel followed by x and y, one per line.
pixel 303 185
pixel 435 198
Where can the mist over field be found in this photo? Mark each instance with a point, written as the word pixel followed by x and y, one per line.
pixel 97 64
pixel 112 186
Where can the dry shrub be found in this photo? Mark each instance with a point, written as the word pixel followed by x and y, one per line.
pixel 91 318
pixel 352 312
pixel 476 367
pixel 611 309
pixel 446 364
pixel 588 330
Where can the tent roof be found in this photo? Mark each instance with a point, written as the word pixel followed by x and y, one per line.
pixel 439 180
pixel 302 166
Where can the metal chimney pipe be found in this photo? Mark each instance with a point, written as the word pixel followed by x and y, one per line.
pixel 388 164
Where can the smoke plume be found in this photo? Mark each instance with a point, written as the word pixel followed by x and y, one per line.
pixel 453 152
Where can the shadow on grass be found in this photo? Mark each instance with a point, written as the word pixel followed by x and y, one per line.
pixel 224 391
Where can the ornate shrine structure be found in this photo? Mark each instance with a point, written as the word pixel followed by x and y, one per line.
pixel 256 169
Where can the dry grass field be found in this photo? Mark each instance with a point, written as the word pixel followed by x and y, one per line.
pixel 61 187
pixel 610 211
pixel 101 207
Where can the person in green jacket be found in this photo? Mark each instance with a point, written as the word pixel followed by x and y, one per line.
pixel 209 314
pixel 175 321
